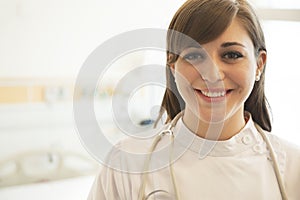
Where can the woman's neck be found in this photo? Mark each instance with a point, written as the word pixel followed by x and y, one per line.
pixel 223 130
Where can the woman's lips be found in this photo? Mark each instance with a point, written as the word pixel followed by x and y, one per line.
pixel 213 95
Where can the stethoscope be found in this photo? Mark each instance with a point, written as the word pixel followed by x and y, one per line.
pixel 169 131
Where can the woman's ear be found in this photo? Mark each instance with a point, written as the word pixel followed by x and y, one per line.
pixel 172 68
pixel 261 60
pixel 171 63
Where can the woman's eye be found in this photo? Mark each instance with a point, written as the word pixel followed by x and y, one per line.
pixel 232 55
pixel 193 57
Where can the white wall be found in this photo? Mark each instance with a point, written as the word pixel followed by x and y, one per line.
pixel 54 37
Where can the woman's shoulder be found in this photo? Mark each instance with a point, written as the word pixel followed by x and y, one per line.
pixel 288 154
pixel 131 152
pixel 290 148
pixel 139 143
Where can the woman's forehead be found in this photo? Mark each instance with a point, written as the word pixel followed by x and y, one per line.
pixel 235 33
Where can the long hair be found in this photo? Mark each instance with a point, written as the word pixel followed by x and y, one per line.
pixel 204 21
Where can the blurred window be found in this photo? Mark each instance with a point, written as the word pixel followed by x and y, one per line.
pixel 281 24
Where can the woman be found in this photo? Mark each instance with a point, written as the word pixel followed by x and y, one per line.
pixel 215 92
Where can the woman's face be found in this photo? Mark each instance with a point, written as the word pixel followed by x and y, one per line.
pixel 216 80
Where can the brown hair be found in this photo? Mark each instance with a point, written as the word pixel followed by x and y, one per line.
pixel 204 21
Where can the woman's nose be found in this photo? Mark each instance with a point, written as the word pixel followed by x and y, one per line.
pixel 212 72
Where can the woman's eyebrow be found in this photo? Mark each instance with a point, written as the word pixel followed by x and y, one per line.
pixel 196 46
pixel 228 44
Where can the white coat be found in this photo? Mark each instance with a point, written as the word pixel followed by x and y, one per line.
pixel 238 168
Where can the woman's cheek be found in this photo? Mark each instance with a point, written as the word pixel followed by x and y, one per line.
pixel 185 89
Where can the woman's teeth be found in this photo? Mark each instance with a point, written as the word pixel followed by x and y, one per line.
pixel 213 94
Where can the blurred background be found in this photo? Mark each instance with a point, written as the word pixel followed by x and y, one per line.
pixel 44 43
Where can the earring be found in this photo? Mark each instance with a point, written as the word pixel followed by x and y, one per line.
pixel 257 78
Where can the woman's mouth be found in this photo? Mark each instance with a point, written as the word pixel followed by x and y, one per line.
pixel 213 95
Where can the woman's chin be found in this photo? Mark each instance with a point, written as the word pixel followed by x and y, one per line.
pixel 213 116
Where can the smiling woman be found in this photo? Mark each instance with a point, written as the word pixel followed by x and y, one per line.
pixel 216 134
pixel 222 81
